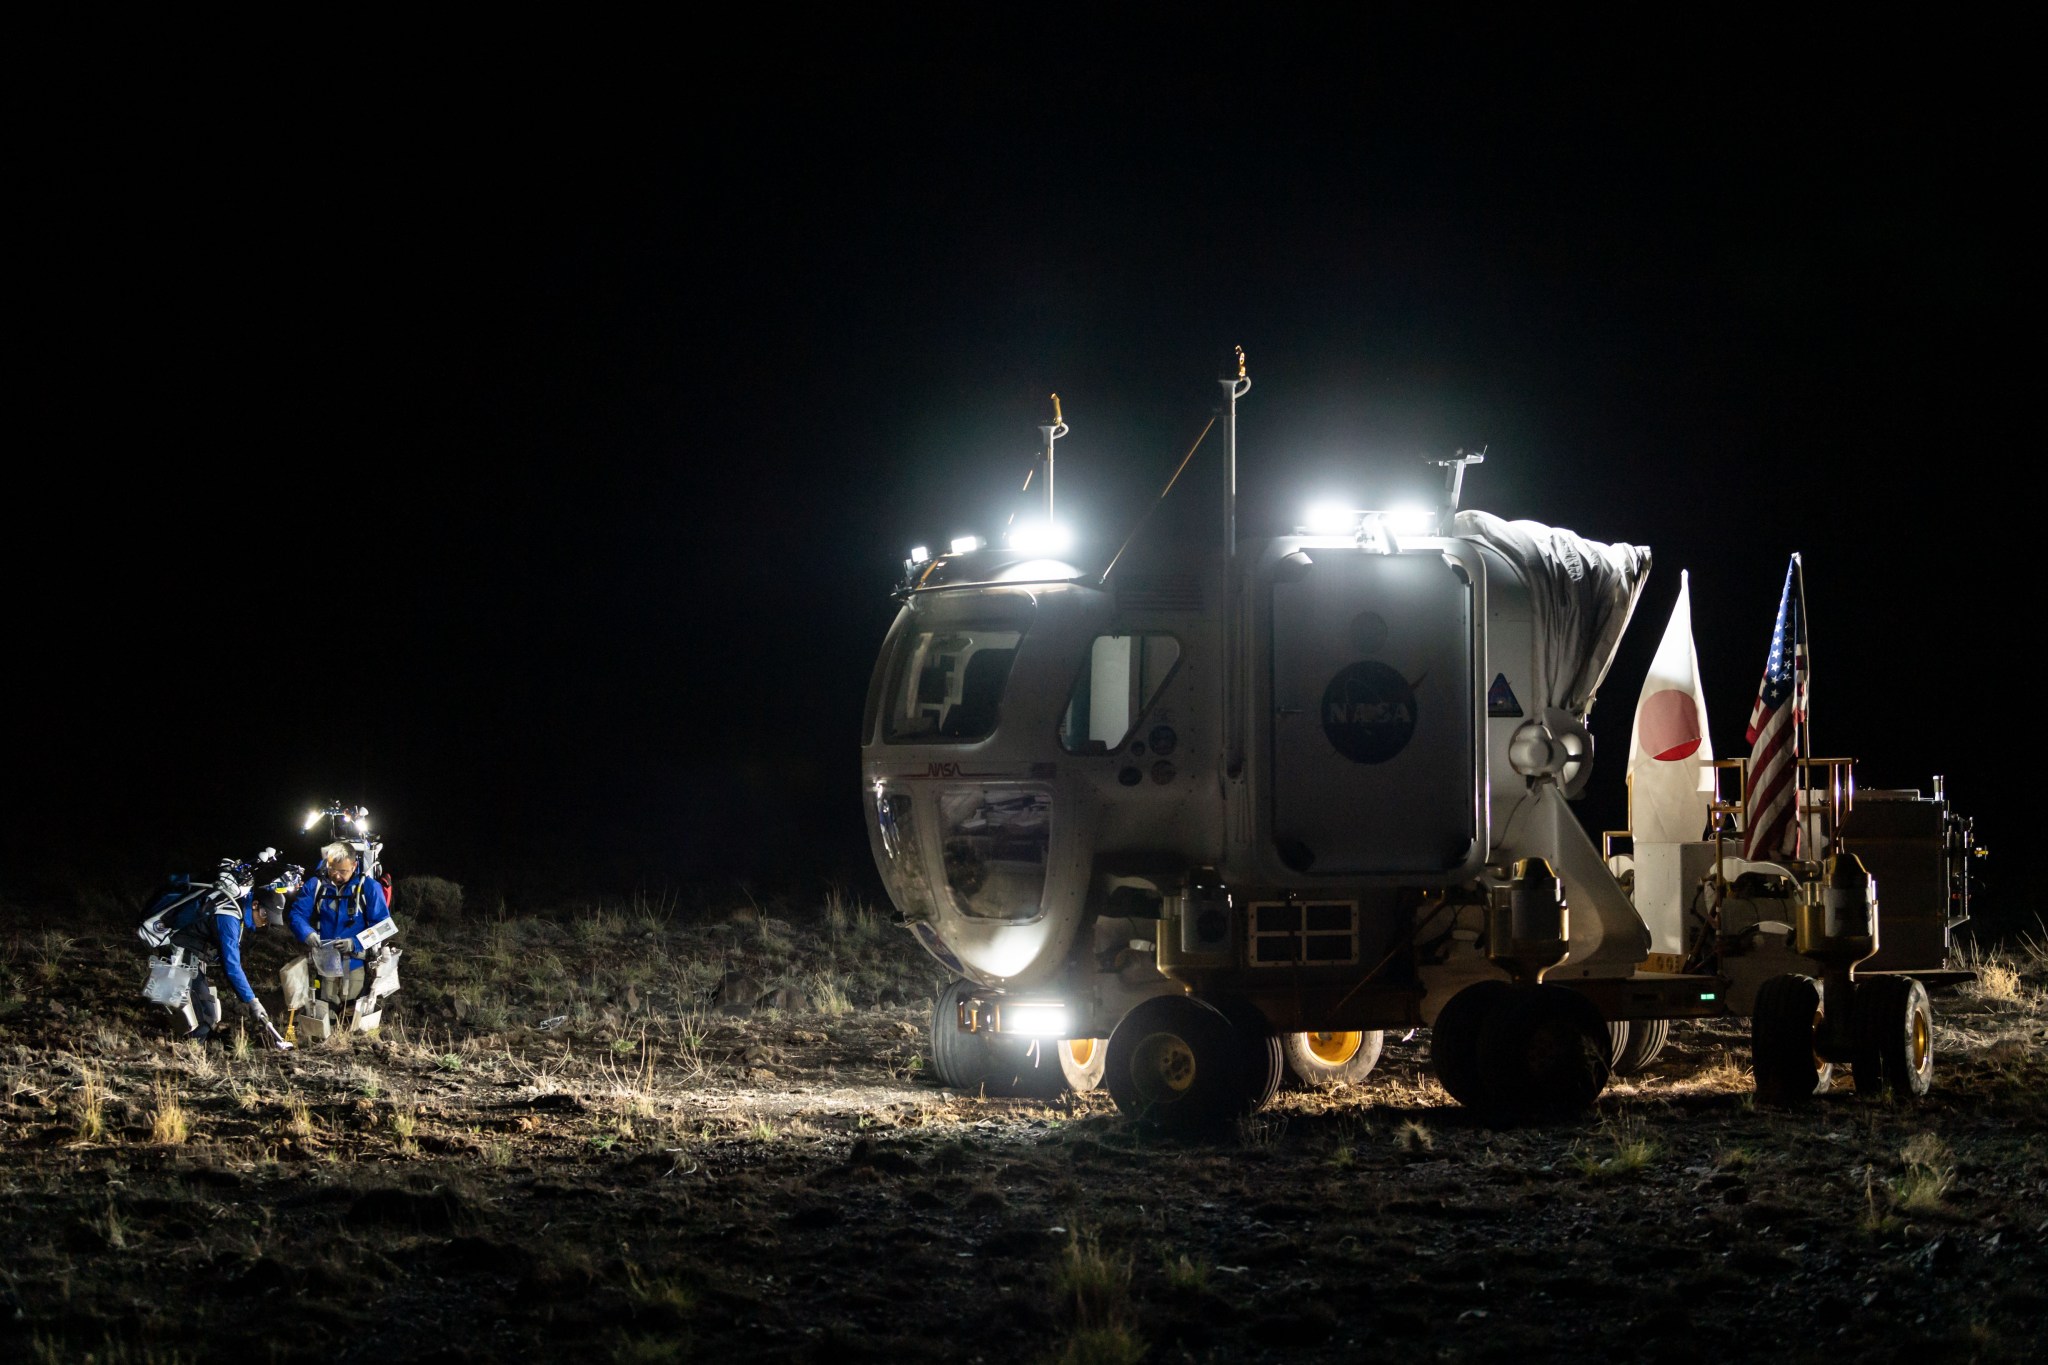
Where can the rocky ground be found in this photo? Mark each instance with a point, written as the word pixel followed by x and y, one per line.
pixel 633 1134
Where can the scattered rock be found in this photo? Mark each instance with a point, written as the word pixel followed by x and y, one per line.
pixel 737 994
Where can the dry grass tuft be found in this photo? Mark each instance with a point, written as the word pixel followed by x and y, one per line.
pixel 1184 1275
pixel 2001 978
pixel 1261 1130
pixel 1930 1172
pixel 1632 1150
pixel 168 1124
pixel 1726 1073
pixel 50 947
pixel 89 1106
pixel 828 996
pixel 299 1118
pixel 1413 1136
pixel 1733 1159
pixel 1093 1287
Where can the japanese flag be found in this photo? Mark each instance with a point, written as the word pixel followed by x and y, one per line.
pixel 1670 755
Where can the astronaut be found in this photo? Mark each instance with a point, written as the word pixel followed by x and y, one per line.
pixel 334 914
pixel 197 927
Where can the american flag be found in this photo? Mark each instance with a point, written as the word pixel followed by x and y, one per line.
pixel 1771 829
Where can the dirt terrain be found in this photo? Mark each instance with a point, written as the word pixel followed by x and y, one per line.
pixel 635 1134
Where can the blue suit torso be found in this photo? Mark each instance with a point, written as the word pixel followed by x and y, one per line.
pixel 339 911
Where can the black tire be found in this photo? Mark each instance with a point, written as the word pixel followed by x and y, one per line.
pixel 1263 1063
pixel 1644 1039
pixel 990 1064
pixel 1543 1053
pixel 956 1056
pixel 1894 1036
pixel 1176 1064
pixel 1781 1036
pixel 1454 1039
pixel 1319 1060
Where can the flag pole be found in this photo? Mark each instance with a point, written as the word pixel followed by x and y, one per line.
pixel 1802 663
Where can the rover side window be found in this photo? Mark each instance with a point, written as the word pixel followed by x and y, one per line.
pixel 1124 675
pixel 947 686
pixel 995 845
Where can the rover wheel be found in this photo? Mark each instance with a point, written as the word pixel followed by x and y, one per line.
pixel 1781 1035
pixel 1176 1063
pixel 1895 1033
pixel 1454 1039
pixel 1082 1061
pixel 1262 1061
pixel 1543 1052
pixel 1637 1043
pixel 990 1063
pixel 1323 1059
pixel 956 1056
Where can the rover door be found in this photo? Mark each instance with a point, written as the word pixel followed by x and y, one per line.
pixel 1375 767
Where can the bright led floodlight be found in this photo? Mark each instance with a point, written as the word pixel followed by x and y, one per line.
pixel 1035 1019
pixel 1041 538
pixel 1411 521
pixel 1331 519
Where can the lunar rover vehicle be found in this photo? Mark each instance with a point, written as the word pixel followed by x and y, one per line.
pixel 1220 814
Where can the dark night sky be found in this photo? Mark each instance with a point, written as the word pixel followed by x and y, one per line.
pixel 525 446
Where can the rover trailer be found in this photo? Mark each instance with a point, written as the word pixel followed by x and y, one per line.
pixel 1215 817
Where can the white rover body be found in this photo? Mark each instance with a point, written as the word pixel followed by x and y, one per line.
pixel 1234 809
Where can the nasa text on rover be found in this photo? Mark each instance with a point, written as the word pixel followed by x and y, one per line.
pixel 1226 811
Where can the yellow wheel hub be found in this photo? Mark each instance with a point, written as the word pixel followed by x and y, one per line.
pixel 1163 1065
pixel 1080 1051
pixel 1334 1049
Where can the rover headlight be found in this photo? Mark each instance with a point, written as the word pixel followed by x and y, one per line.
pixel 1034 1018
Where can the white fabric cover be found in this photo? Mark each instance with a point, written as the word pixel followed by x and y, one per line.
pixel 1584 593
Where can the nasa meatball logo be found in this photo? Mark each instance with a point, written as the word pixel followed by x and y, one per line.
pixel 1369 712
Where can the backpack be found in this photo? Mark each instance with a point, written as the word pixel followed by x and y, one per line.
pixel 175 907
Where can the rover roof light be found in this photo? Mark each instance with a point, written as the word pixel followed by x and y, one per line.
pixel 1412 521
pixel 1331 519
pixel 966 544
pixel 919 554
pixel 1041 538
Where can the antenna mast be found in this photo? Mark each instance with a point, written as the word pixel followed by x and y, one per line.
pixel 1051 432
pixel 1234 387
pixel 1234 685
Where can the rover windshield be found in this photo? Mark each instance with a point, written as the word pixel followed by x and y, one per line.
pixel 946 686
